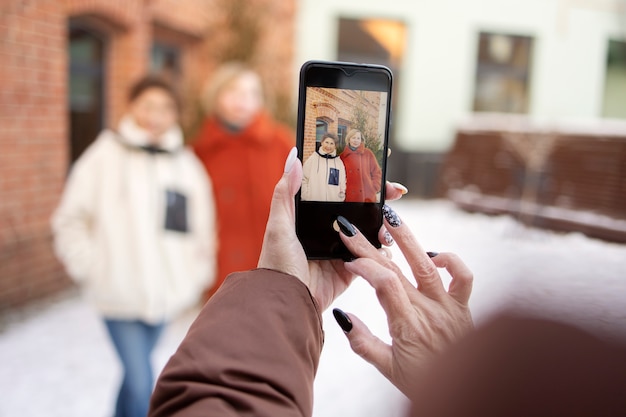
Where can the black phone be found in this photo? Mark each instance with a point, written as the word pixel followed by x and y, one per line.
pixel 344 112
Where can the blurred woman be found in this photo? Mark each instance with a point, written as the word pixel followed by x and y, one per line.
pixel 324 174
pixel 243 150
pixel 135 227
pixel 363 174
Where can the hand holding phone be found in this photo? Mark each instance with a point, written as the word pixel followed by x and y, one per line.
pixel 342 135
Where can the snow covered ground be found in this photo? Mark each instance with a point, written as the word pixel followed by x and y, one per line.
pixel 58 362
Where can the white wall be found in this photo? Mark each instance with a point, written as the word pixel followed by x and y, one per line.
pixel 437 86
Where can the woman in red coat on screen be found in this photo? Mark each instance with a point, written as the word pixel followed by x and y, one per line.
pixel 243 150
pixel 363 174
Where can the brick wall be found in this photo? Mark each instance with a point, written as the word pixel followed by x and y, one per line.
pixel 32 146
pixel 34 128
pixel 335 107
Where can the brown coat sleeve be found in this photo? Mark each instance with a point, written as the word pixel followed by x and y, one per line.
pixel 252 351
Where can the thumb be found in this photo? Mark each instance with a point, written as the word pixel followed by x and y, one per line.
pixel 364 343
pixel 293 171
pixel 280 243
pixel 286 189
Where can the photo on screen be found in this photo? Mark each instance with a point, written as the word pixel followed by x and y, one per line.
pixel 344 134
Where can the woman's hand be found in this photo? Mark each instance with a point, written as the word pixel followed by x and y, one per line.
pixel 283 252
pixel 422 320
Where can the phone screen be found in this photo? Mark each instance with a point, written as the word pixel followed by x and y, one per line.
pixel 343 126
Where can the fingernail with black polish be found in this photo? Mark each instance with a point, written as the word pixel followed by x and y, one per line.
pixel 343 320
pixel 345 226
pixel 391 216
pixel 432 254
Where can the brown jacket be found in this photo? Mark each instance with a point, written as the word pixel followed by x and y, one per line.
pixel 253 351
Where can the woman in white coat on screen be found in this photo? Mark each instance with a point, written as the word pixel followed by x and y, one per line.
pixel 324 173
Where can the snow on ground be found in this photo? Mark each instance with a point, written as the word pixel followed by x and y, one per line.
pixel 59 361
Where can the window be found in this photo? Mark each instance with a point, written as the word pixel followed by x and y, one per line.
pixel 86 51
pixel 502 73
pixel 165 61
pixel 321 127
pixel 615 82
pixel 342 131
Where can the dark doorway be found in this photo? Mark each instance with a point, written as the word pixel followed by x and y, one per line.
pixel 86 50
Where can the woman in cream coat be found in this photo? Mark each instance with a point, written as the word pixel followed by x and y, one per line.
pixel 324 173
pixel 135 227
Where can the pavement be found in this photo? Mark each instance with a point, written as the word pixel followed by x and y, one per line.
pixel 58 361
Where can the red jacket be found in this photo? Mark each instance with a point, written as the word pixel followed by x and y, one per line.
pixel 363 175
pixel 244 167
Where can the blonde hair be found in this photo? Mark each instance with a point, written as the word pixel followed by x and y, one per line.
pixel 353 132
pixel 223 76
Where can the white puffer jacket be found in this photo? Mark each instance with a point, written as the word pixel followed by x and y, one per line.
pixel 109 229
pixel 316 181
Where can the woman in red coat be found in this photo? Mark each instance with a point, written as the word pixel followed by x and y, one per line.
pixel 363 174
pixel 243 150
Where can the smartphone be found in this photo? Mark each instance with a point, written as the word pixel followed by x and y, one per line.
pixel 344 112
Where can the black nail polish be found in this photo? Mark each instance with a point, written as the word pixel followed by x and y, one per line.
pixel 345 226
pixel 432 254
pixel 391 216
pixel 342 320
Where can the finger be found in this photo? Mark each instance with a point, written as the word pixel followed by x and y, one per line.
pixel 385 252
pixel 355 241
pixel 369 347
pixel 394 191
pixel 462 278
pixel 384 237
pixel 360 247
pixel 389 290
pixel 424 270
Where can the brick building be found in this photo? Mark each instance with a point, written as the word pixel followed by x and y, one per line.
pixel 65 66
pixel 333 110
